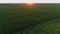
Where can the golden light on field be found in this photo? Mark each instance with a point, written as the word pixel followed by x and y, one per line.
pixel 29 5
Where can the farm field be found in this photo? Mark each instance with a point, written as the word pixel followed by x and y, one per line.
pixel 25 20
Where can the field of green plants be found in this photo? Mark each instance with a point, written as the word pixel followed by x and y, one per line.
pixel 25 20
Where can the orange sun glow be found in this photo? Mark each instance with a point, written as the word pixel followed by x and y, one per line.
pixel 30 4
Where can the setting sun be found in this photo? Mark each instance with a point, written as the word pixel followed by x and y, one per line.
pixel 29 3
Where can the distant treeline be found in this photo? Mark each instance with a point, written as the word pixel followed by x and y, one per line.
pixel 18 4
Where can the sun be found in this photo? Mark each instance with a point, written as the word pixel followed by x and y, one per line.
pixel 30 3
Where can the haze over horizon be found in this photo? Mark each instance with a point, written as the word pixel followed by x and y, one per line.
pixel 26 1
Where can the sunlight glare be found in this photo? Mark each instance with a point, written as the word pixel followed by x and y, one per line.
pixel 29 3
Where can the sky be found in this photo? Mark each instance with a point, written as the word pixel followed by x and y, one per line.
pixel 32 1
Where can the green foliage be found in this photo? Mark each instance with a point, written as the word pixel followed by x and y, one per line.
pixel 22 20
